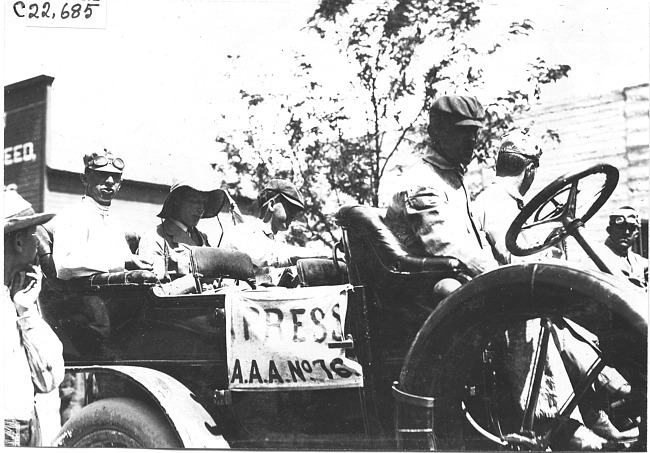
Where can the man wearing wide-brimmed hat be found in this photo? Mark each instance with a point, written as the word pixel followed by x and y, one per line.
pixel 280 203
pixel 88 239
pixel 27 337
pixel 187 203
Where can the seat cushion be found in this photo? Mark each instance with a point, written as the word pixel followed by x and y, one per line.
pixel 321 272
pixel 213 262
pixel 118 278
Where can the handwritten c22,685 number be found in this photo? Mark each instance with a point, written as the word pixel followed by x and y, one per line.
pixel 44 10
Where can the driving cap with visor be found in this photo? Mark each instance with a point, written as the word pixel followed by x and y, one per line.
pixel 103 161
pixel 283 188
pixel 456 111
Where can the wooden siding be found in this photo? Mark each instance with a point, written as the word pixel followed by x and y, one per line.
pixel 26 122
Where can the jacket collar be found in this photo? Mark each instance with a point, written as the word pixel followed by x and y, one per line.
pixel 510 190
pixel 266 229
pixel 439 161
pixel 180 225
pixel 173 228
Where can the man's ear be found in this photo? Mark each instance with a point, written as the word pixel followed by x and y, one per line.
pixel 272 205
pixel 267 211
pixel 530 169
pixel 83 178
pixel 17 241
pixel 607 229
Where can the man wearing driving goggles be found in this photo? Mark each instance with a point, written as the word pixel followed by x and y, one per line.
pixel 623 229
pixel 87 240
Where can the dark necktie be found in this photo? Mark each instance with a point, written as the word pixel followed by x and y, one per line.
pixel 195 236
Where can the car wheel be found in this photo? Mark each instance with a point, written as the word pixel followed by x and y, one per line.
pixel 462 385
pixel 118 422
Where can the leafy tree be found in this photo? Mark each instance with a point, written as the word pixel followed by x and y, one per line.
pixel 339 146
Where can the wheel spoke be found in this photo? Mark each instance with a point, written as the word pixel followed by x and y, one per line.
pixel 573 401
pixel 572 202
pixel 539 365
pixel 541 222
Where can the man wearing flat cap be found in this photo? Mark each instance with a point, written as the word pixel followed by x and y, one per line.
pixel 28 339
pixel 430 213
pixel 622 230
pixel 188 202
pixel 89 240
pixel 280 203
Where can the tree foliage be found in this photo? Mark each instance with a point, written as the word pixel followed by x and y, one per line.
pixel 404 53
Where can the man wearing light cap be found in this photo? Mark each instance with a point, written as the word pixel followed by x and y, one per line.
pixel 497 206
pixel 430 213
pixel 623 229
pixel 27 338
pixel 280 203
pixel 87 240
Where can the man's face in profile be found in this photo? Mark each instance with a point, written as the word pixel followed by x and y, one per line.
pixel 457 143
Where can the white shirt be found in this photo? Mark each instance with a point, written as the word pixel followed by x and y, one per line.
pixel 88 241
pixel 256 239
pixel 17 377
pixel 18 387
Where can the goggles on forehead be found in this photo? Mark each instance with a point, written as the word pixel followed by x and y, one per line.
pixel 102 161
pixel 630 219
pixel 533 158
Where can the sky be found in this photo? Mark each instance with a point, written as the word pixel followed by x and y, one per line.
pixel 151 84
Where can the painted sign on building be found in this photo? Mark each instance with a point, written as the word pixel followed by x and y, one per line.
pixel 25 139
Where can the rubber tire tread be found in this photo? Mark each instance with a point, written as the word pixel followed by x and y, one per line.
pixel 134 420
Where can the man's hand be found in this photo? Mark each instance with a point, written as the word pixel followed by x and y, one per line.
pixel 25 289
pixel 138 262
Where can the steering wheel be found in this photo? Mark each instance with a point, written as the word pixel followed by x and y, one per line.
pixel 561 196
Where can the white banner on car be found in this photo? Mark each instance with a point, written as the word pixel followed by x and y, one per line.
pixel 280 339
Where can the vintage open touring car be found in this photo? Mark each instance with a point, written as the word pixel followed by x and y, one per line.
pixel 360 356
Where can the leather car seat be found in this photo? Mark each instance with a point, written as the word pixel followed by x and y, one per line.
pixel 374 247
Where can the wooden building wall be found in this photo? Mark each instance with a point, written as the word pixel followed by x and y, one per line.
pixel 26 110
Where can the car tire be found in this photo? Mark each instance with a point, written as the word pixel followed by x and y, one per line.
pixel 118 422
pixel 438 371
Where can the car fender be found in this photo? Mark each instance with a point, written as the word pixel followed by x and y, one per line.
pixel 540 281
pixel 194 426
